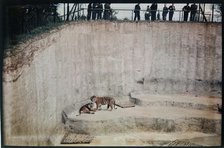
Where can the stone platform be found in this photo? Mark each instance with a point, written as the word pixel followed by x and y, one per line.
pixel 155 120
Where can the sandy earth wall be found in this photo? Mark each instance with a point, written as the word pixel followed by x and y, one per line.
pixel 79 60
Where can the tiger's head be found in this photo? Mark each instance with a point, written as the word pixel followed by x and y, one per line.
pixel 93 98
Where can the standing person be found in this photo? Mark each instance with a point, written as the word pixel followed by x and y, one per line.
pixel 171 11
pixel 165 11
pixel 153 11
pixel 110 11
pixel 193 11
pixel 107 11
pixel 186 10
pixel 99 11
pixel 94 11
pixel 147 13
pixel 89 11
pixel 137 12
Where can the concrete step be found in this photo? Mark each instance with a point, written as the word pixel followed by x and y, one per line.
pixel 148 139
pixel 177 100
pixel 142 118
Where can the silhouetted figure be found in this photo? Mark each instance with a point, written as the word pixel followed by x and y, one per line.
pixel 219 108
pixel 89 11
pixel 99 11
pixel 137 12
pixel 153 11
pixel 147 13
pixel 158 16
pixel 165 11
pixel 107 11
pixel 186 10
pixel 193 12
pixel 94 11
pixel 171 12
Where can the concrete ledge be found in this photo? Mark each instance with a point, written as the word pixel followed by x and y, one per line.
pixel 183 101
pixel 157 113
pixel 160 119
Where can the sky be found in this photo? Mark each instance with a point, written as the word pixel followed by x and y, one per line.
pixel 121 14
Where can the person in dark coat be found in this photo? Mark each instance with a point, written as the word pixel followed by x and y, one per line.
pixel 137 12
pixel 186 10
pixel 153 11
pixel 147 13
pixel 89 11
pixel 165 11
pixel 171 12
pixel 193 11
pixel 99 11
pixel 94 11
pixel 107 11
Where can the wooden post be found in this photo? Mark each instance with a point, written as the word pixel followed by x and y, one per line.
pixel 212 12
pixel 54 13
pixel 132 15
pixel 67 12
pixel 78 11
pixel 64 11
pixel 199 13
pixel 203 14
pixel 74 12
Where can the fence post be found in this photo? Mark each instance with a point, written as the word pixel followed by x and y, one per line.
pixel 132 15
pixel 64 11
pixel 179 16
pixel 67 11
pixel 212 12
pixel 199 13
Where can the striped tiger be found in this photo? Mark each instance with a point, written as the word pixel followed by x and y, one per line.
pixel 109 101
pixel 87 108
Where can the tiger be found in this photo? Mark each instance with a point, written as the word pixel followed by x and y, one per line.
pixel 87 108
pixel 103 101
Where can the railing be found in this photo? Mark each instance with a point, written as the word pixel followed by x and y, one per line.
pixel 128 14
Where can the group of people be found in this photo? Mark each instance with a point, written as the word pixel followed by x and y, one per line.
pixel 95 11
pixel 151 11
pixel 187 9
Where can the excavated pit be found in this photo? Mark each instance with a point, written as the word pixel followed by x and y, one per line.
pixel 47 77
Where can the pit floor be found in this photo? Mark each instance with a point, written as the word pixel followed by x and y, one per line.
pixel 154 138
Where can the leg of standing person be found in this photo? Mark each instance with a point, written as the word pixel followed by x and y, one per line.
pixel 164 16
pixel 139 16
pixel 88 15
pixel 185 16
pixel 193 16
pixel 170 16
pixel 100 15
pixel 152 16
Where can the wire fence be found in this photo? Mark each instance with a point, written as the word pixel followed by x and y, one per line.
pixel 128 14
pixel 33 19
